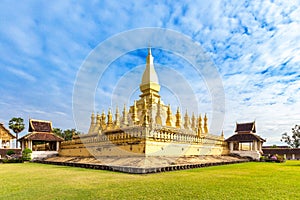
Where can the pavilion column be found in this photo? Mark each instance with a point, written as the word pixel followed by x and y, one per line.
pixel 231 146
pixel 1 143
pixel 30 144
pixel 57 145
pixel 255 146
pixel 11 143
pixel 23 144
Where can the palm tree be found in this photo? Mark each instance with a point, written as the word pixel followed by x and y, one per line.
pixel 17 125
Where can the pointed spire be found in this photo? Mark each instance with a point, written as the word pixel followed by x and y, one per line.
pixel 93 118
pixel 158 116
pixel 199 128
pixel 169 116
pixel 145 104
pixel 98 121
pixel 103 119
pixel 205 125
pixel 149 50
pixel 109 119
pixel 124 117
pixel 193 125
pixel 93 123
pixel 222 134
pixel 134 114
pixel 117 118
pixel 146 120
pixel 145 115
pixel 186 120
pixel 178 119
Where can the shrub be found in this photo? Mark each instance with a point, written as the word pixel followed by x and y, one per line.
pixel 272 158
pixel 262 158
pixel 12 160
pixel 26 154
pixel 10 152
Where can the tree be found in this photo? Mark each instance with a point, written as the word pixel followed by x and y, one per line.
pixel 58 132
pixel 66 134
pixel 17 125
pixel 294 140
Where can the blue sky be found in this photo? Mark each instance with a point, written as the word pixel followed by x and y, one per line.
pixel 255 46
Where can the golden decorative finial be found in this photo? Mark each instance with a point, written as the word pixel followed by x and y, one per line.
pixel 178 119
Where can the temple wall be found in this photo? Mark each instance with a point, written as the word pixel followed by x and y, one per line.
pixel 100 149
pixel 157 145
pixel 175 149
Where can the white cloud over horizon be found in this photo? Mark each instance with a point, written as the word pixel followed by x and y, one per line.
pixel 254 45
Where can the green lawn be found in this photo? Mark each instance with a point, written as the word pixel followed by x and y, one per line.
pixel 238 181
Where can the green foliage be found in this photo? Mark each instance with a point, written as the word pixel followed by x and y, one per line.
pixel 26 154
pixel 17 125
pixel 294 140
pixel 66 134
pixel 10 152
pixel 253 180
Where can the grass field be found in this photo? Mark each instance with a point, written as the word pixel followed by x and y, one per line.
pixel 252 180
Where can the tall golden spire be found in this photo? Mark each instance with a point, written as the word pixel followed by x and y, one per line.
pixel 150 85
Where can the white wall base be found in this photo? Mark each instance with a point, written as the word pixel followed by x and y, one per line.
pixel 43 154
pixel 253 154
